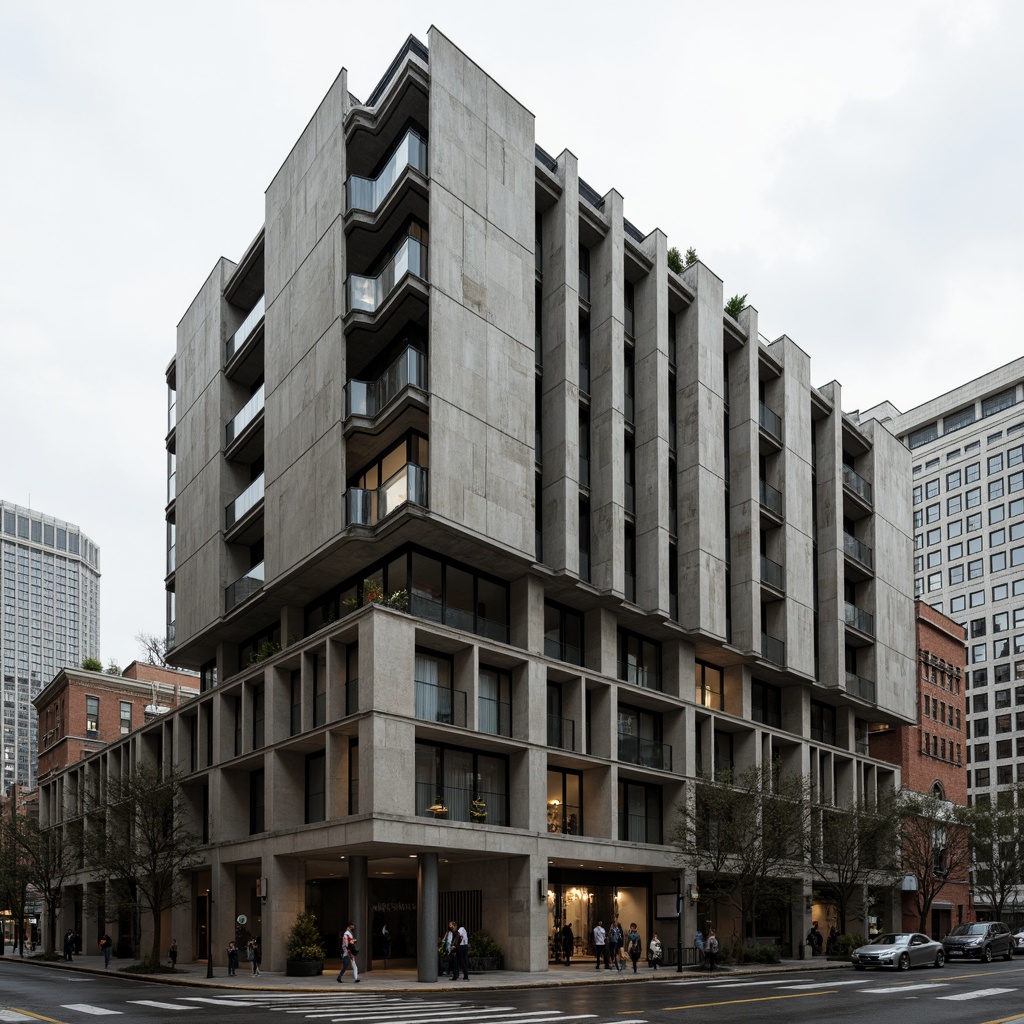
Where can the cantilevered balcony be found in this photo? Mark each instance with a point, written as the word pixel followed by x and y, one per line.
pixel 245 502
pixel 369 193
pixel 249 325
pixel 367 507
pixel 858 551
pixel 771 499
pixel 647 753
pixel 243 588
pixel 773 574
pixel 858 686
pixel 244 416
pixel 773 649
pixel 857 485
pixel 368 294
pixel 770 422
pixel 859 619
pixel 368 398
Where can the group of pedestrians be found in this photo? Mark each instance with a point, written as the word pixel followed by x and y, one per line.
pixel 613 946
pixel 456 949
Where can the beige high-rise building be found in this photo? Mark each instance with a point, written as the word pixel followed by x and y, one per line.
pixel 489 533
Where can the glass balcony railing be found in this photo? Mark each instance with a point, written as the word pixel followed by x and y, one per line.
pixel 172 487
pixel 770 422
pixel 561 733
pixel 858 686
pixel 440 704
pixel 773 649
pixel 367 398
pixel 461 618
pixel 636 828
pixel 494 716
pixel 172 559
pixel 172 411
pixel 855 549
pixel 366 507
pixel 564 819
pixel 352 696
pixel 771 499
pixel 369 193
pixel 859 619
pixel 244 416
pixel 773 574
pixel 367 294
pixel 247 500
pixel 648 753
pixel 243 588
pixel 170 634
pixel 639 675
pixel 249 324
pixel 856 483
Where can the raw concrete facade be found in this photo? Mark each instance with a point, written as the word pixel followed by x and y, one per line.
pixel 489 534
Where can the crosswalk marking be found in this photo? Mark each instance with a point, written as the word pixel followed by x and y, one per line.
pixel 98 1011
pixel 824 984
pixel 12 1016
pixel 217 1002
pixel 161 1006
pixel 979 993
pixel 904 988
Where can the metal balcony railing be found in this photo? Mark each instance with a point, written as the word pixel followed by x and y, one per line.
pixel 859 619
pixel 561 733
pixel 856 483
pixel 648 753
pixel 440 704
pixel 564 819
pixel 858 686
pixel 773 649
pixel 773 574
pixel 771 499
pixel 858 550
pixel 244 416
pixel 243 588
pixel 494 716
pixel 245 502
pixel 248 325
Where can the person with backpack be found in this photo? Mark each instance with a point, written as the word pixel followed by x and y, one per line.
pixel 654 952
pixel 711 950
pixel 633 945
pixel 615 943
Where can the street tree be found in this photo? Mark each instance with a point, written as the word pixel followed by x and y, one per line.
pixel 140 840
pixel 935 846
pixel 847 848
pixel 153 647
pixel 14 871
pixel 997 842
pixel 741 834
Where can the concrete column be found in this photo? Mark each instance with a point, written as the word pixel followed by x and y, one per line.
pixel 427 927
pixel 357 907
pixel 286 879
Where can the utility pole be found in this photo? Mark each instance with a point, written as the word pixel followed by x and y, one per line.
pixel 679 926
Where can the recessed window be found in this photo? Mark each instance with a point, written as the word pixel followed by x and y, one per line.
pixel 92 717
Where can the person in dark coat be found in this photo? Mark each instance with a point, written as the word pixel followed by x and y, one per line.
pixel 568 943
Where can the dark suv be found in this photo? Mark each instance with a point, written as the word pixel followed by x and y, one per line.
pixel 982 940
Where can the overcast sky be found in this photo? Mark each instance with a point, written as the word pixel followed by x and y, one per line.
pixel 855 169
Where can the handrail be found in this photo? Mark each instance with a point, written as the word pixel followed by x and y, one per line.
pixel 248 325
pixel 244 416
pixel 367 294
pixel 368 194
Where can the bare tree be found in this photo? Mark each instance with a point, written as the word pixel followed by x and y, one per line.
pixel 935 846
pixel 997 841
pixel 847 847
pixel 14 869
pixel 743 836
pixel 141 843
pixel 153 647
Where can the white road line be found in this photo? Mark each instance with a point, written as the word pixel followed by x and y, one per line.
pixel 216 1002
pixel 481 1014
pixel 825 984
pixel 161 1006
pixel 13 1016
pixel 903 988
pixel 99 1011
pixel 979 993
pixel 747 984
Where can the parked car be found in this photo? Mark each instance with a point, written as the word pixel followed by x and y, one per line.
pixel 983 940
pixel 900 951
pixel 1018 941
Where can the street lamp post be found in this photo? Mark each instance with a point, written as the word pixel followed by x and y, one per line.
pixel 679 926
pixel 209 933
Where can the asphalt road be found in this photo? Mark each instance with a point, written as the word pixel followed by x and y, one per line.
pixel 964 993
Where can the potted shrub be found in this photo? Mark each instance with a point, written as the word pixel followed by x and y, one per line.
pixel 304 950
pixel 484 953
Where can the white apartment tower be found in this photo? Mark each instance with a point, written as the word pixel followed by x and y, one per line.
pixel 49 618
pixel 967 451
pixel 490 534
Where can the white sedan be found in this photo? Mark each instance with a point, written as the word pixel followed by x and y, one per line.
pixel 900 951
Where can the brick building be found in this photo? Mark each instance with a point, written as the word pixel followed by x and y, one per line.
pixel 81 711
pixel 931 753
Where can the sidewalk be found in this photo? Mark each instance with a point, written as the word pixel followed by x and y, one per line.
pixel 404 979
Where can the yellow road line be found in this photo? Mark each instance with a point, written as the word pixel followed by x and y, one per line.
pixel 36 1016
pixel 759 999
pixel 1005 1020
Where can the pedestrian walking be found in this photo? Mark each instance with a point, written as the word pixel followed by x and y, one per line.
pixel 254 954
pixel 451 963
pixel 349 952
pixel 568 943
pixel 654 952
pixel 385 943
pixel 712 950
pixel 633 945
pixel 106 943
pixel 601 946
pixel 615 943
pixel 69 945
pixel 462 951
pixel 232 959
pixel 172 954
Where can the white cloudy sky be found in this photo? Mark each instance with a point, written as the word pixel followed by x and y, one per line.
pixel 856 169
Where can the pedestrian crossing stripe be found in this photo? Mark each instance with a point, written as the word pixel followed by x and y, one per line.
pixel 896 989
pixel 980 993
pixel 159 1005
pixel 88 1008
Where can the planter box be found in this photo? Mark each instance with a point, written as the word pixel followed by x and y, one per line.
pixel 304 968
pixel 485 963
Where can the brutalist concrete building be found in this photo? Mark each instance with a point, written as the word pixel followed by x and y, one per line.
pixel 490 533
